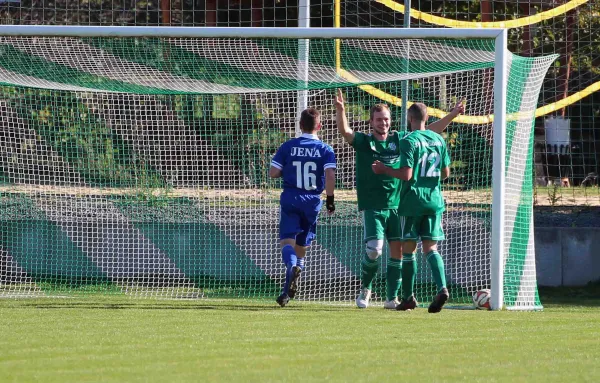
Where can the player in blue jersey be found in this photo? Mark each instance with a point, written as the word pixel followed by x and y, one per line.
pixel 307 166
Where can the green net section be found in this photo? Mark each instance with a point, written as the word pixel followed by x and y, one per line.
pixel 140 166
pixel 216 66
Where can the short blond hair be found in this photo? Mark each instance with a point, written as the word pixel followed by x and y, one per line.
pixel 378 108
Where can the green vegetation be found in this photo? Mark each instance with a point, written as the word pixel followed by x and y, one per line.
pixel 71 126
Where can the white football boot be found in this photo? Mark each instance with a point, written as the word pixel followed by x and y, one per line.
pixel 391 305
pixel 362 301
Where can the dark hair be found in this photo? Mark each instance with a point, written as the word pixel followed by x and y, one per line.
pixel 309 120
pixel 417 111
pixel 378 108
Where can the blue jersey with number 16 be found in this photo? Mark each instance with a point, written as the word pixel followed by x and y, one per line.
pixel 302 162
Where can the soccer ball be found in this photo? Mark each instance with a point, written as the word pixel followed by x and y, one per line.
pixel 481 299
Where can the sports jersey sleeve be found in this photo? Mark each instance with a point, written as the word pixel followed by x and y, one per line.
pixel 445 157
pixel 406 154
pixel 360 142
pixel 279 158
pixel 330 162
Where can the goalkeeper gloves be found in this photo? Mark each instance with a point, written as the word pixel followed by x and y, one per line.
pixel 329 204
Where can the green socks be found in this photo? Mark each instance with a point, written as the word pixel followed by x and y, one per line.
pixel 369 270
pixel 437 269
pixel 394 277
pixel 403 272
pixel 409 274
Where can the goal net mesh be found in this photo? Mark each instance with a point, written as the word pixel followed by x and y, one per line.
pixel 139 166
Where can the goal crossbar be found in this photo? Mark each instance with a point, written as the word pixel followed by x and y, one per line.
pixel 248 32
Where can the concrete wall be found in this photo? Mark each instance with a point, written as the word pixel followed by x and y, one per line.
pixel 567 256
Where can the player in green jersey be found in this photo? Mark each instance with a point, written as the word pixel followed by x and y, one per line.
pixel 379 194
pixel 424 163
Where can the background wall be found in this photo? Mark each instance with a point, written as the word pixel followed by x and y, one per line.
pixel 567 256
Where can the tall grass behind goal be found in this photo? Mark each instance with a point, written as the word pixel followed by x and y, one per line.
pixel 134 160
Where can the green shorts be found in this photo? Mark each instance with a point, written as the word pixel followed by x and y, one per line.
pixel 380 224
pixel 427 227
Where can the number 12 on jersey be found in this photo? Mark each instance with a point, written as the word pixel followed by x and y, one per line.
pixel 433 169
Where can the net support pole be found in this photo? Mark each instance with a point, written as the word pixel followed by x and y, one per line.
pixel 499 171
pixel 404 83
pixel 303 55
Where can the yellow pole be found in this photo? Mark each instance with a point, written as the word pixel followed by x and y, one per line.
pixel 337 24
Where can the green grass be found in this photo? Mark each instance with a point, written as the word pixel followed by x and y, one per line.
pixel 118 339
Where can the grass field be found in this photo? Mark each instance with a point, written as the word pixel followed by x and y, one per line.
pixel 116 339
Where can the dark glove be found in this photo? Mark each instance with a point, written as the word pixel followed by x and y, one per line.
pixel 329 204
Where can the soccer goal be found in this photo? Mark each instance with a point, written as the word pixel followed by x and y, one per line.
pixel 134 160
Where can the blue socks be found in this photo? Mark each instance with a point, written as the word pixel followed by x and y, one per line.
pixel 300 263
pixel 288 255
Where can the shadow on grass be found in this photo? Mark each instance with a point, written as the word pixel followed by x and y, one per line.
pixel 92 306
pixel 585 296
pixel 588 295
pixel 229 305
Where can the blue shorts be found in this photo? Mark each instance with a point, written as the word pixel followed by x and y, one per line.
pixel 298 216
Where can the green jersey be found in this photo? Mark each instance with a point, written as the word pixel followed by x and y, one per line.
pixel 376 191
pixel 425 152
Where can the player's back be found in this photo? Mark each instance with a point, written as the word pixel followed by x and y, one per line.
pixel 421 195
pixel 302 162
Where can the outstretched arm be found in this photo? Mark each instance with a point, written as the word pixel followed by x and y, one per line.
pixel 404 173
pixel 443 123
pixel 341 120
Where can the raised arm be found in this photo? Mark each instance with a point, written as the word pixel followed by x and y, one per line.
pixel 443 123
pixel 341 120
